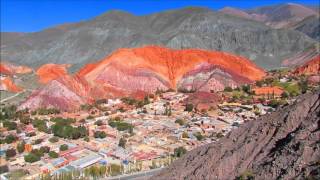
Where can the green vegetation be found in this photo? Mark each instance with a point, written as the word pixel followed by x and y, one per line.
pixel 53 154
pixel 10 139
pixel 99 123
pixel 120 125
pixel 63 129
pixel 17 174
pixel 247 175
pixel 8 112
pixel 185 135
pixel 31 157
pixel 10 125
pixel 54 139
pixel 10 153
pixel 41 125
pixel 20 147
pixel 96 172
pixel 100 134
pixel 189 107
pixel 135 102
pixel 44 149
pixel 181 122
pixel 36 154
pixel 199 136
pixel 64 147
pixel 275 103
pixel 38 141
pixel 114 169
pixel 122 142
pixel 227 89
pixel 178 152
pixel 44 111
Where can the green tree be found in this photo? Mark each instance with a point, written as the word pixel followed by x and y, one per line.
pixel 10 139
pixel 53 154
pixel 64 147
pixel 178 152
pixel 100 134
pixel 31 157
pixel 20 147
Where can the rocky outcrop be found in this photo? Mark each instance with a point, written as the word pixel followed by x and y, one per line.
pixel 7 68
pixel 6 84
pixel 281 145
pixel 92 40
pixel 311 67
pixel 49 72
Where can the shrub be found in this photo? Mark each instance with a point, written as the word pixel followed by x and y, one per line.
pixel 53 154
pixel 10 125
pixel 178 152
pixel 10 139
pixel 38 141
pixel 189 107
pixel 45 149
pixel 100 134
pixel 185 135
pixel 20 147
pixel 227 89
pixel 199 136
pixel 64 147
pixel 31 157
pixel 181 122
pixel 10 153
pixel 54 139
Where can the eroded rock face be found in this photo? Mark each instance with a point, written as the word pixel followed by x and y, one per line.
pixel 282 145
pixel 66 93
pixel 6 84
pixel 49 72
pixel 148 69
pixel 311 67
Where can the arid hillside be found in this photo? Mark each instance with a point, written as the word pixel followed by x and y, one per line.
pixel 281 145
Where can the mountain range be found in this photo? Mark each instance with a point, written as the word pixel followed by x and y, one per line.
pixel 88 41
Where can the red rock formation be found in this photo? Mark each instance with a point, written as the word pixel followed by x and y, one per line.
pixel 128 72
pixel 6 84
pixel 11 69
pixel 311 67
pixel 50 72
pixel 153 67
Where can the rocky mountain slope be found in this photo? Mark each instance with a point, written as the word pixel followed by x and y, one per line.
pixel 291 16
pixel 48 72
pixel 282 145
pixel 150 68
pixel 89 41
pixel 310 26
pixel 311 67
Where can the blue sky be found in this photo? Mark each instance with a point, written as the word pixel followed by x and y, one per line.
pixel 35 15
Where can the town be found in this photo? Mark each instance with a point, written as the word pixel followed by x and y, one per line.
pixel 121 136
